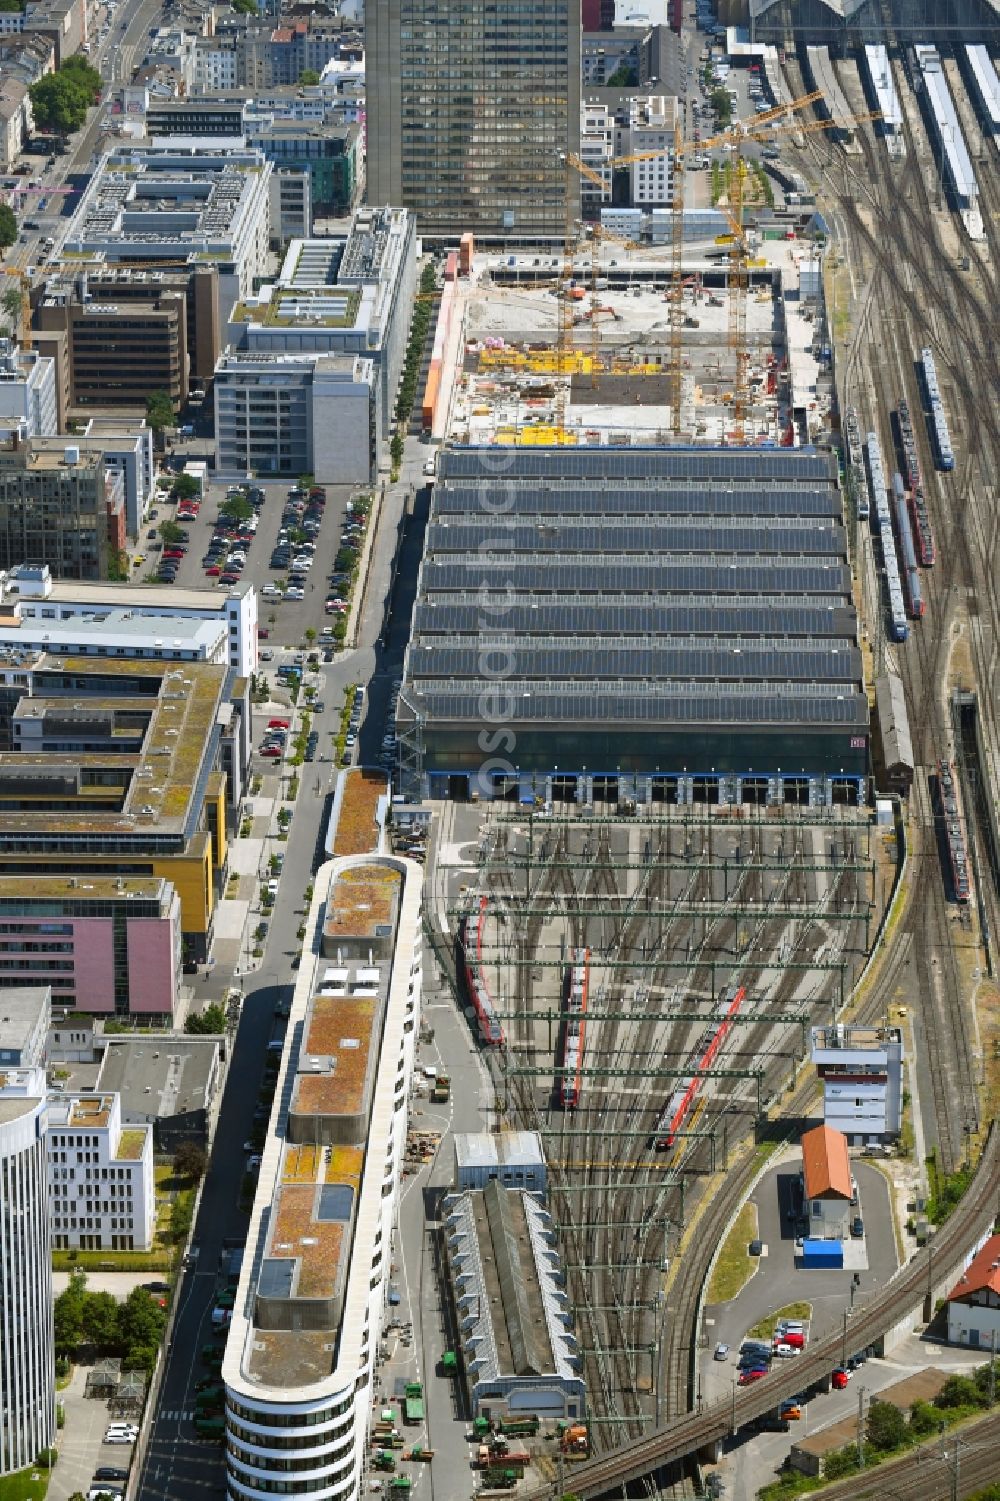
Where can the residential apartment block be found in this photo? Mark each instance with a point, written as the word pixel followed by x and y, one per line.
pixel 101 1187
pixel 471 112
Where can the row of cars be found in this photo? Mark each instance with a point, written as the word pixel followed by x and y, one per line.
pixel 233 535
pixel 295 547
pixel 352 536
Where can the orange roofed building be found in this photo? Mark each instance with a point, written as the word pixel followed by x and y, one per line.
pixel 974 1301
pixel 826 1183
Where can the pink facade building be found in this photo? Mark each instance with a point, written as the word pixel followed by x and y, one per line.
pixel 108 946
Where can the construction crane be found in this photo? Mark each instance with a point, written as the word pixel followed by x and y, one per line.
pixel 760 128
pixel 22 277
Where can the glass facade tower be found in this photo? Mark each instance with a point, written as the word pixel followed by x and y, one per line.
pixel 472 106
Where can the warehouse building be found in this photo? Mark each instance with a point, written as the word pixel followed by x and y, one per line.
pixel 514 1158
pixel 511 1310
pixel 605 625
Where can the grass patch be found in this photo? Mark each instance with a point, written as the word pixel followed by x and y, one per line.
pixel 26 1485
pixel 157 1260
pixel 765 1329
pixel 735 1266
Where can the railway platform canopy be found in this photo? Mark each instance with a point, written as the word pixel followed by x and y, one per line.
pixel 659 624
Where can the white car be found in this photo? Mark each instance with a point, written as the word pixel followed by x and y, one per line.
pixel 295 594
pixel 121 1436
pixel 272 887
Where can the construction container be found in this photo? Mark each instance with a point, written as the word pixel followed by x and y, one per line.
pixel 828 1254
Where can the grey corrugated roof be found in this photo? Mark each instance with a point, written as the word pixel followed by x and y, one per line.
pixel 495 498
pixel 527 1350
pixel 894 722
pixel 610 465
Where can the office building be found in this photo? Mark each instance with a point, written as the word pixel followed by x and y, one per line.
pixel 675 625
pixel 187 204
pixel 156 752
pixel 292 414
pixel 109 946
pixel 511 1310
pixel 300 1363
pixel 471 112
pixel 25 1016
pixel 120 351
pixel 65 507
pixel 650 128
pixel 165 1083
pixel 28 398
pixel 862 1073
pixel 101 1190
pixel 27 1356
pixel 41 614
pixel 291 206
pixel 332 155
pixel 121 292
pixel 347 295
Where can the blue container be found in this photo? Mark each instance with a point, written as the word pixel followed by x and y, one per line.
pixel 828 1254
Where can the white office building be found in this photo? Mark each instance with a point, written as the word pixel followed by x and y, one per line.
pixel 862 1073
pixel 27 391
pixel 27 1359
pixel 292 414
pixel 73 618
pixel 183 200
pixel 300 1361
pixel 650 129
pixel 101 1186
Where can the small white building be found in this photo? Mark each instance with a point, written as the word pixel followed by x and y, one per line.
pixel 974 1301
pixel 827 1186
pixel 862 1073
pixel 101 1186
pixel 27 391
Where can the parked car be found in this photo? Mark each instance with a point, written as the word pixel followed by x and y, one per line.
pixel 857 1228
pixel 721 1352
pixel 747 1378
pixel 839 1379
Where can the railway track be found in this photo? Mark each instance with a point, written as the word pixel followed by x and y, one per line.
pixel 682 1437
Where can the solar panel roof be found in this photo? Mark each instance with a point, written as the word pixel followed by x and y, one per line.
pixel 758 536
pixel 593 660
pixel 604 464
pixel 496 499
pixel 649 704
pixel 693 574
pixel 640 615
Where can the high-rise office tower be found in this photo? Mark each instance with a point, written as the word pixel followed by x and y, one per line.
pixel 472 106
pixel 27 1367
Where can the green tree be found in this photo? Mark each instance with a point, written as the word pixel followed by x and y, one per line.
pixel 60 102
pixel 159 410
pixel 80 72
pixel 244 7
pixel 170 533
pixel 306 481
pixel 722 104
pixel 11 5
pixel 924 1419
pixel 623 77
pixel 190 1160
pixel 141 1322
pixel 309 77
pixel 100 1320
pixel 142 1357
pixel 310 636
pixel 237 508
pixel 211 1020
pixel 118 569
pixel 886 1427
pixel 959 1391
pixel 69 1314
pixel 186 487
pixel 10 303
pixel 8 228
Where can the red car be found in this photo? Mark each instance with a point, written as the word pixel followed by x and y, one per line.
pixel 279 724
pixel 839 1380
pixel 212 573
pixel 174 552
pixel 747 1378
pixel 274 751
